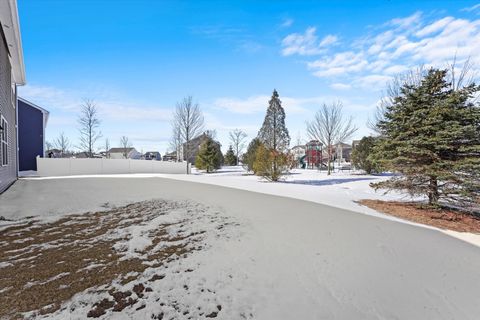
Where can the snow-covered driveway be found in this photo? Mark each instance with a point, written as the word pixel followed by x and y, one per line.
pixel 285 258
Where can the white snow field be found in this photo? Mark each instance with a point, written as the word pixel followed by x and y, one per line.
pixel 281 257
pixel 341 189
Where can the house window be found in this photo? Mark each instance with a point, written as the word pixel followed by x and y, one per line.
pixel 4 141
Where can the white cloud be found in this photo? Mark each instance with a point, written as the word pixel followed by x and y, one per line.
pixel 328 40
pixel 307 43
pixel 391 48
pixel 110 108
pixel 338 64
pixel 245 106
pixel 434 27
pixel 472 8
pixel 340 86
pixel 259 104
pixel 287 23
pixel 395 69
pixel 374 82
pixel 407 22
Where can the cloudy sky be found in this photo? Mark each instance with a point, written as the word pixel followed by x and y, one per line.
pixel 136 59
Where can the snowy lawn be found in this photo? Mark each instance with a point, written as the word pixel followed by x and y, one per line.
pixel 341 189
pixel 239 254
pixel 94 264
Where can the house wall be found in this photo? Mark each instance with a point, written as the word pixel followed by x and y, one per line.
pixel 49 167
pixel 30 136
pixel 8 173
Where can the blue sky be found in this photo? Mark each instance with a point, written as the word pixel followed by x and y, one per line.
pixel 136 59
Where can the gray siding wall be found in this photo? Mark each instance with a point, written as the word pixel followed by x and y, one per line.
pixel 8 174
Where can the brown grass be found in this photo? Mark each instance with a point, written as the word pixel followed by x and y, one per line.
pixel 38 254
pixel 416 212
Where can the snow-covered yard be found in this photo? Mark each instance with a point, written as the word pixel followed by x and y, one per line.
pixel 204 248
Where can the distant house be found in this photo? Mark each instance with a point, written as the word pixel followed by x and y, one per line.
pixel 171 156
pixel 299 153
pixel 153 155
pixel 343 152
pixel 53 153
pixel 355 143
pixel 194 147
pixel 119 153
pixel 32 121
pixel 12 74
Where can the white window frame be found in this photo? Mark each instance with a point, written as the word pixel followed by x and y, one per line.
pixel 4 142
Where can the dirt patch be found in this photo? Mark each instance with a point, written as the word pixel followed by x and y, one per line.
pixel 441 218
pixel 42 265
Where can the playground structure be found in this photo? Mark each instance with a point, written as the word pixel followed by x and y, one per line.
pixel 314 155
pixel 314 158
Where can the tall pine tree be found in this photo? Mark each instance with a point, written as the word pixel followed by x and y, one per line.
pixel 274 136
pixel 430 134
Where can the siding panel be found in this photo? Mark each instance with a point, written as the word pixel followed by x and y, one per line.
pixel 8 174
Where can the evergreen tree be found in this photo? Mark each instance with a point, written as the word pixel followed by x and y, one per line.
pixel 230 158
pixel 361 155
pixel 270 165
pixel 209 157
pixel 430 134
pixel 249 157
pixel 274 136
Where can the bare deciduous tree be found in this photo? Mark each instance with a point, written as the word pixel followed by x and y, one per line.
pixel 48 145
pixel 459 76
pixel 392 90
pixel 88 126
pixel 62 143
pixel 176 141
pixel 237 140
pixel 125 144
pixel 107 148
pixel 330 127
pixel 188 120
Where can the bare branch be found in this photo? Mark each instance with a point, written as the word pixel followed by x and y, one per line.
pixel 62 143
pixel 237 139
pixel 188 122
pixel 330 127
pixel 88 126
pixel 125 144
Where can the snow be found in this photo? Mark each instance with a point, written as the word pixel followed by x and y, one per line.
pixel 278 258
pixel 341 189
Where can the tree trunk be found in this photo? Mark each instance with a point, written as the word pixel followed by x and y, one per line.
pixel 328 160
pixel 433 194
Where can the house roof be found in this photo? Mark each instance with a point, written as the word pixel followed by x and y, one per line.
pixel 314 143
pixel 11 29
pixel 344 145
pixel 298 147
pixel 171 154
pixel 33 105
pixel 120 150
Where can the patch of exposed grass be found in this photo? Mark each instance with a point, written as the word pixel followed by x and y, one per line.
pixel 45 264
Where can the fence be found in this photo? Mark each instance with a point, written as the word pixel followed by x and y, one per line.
pixel 48 167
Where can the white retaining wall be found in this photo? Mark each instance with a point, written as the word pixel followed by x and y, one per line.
pixel 49 167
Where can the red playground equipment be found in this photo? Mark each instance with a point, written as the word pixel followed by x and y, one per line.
pixel 314 155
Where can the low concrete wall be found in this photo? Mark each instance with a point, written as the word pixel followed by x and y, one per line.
pixel 49 167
